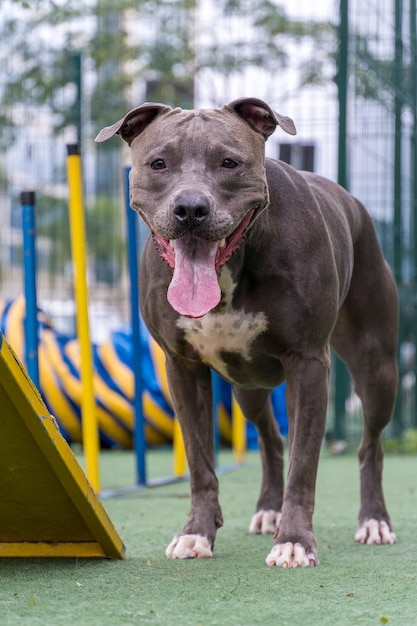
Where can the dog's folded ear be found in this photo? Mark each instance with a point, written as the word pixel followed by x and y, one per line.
pixel 134 122
pixel 261 117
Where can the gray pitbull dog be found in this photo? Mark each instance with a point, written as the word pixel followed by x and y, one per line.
pixel 254 269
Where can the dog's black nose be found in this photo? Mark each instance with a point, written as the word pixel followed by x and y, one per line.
pixel 191 210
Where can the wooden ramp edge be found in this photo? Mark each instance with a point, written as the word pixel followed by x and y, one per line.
pixel 47 506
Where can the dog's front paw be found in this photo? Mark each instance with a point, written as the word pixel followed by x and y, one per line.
pixel 375 532
pixel 189 547
pixel 264 522
pixel 291 555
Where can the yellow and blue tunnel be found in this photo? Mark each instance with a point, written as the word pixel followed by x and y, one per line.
pixel 60 384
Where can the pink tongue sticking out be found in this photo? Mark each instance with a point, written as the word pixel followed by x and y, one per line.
pixel 194 289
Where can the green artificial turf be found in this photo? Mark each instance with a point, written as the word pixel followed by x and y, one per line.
pixel 354 584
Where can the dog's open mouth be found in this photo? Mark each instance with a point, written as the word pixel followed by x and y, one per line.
pixel 194 289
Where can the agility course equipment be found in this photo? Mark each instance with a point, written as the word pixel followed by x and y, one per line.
pixel 133 245
pixel 78 248
pixel 48 508
pixel 27 199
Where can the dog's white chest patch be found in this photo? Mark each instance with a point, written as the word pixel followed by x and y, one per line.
pixel 228 331
pixel 232 331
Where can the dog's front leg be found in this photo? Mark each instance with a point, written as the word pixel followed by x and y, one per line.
pixel 307 392
pixel 192 399
pixel 256 406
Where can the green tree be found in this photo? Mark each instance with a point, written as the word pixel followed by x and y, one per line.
pixel 272 30
pixel 48 40
pixel 44 69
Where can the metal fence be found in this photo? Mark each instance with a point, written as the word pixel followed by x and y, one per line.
pixel 381 135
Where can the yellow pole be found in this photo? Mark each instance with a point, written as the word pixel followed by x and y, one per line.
pixel 180 461
pixel 78 247
pixel 238 432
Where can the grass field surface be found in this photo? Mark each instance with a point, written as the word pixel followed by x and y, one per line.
pixel 354 584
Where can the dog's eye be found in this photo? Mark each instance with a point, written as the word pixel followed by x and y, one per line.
pixel 229 164
pixel 159 164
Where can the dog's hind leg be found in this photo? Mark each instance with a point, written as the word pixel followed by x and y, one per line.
pixel 256 407
pixel 366 338
pixel 376 387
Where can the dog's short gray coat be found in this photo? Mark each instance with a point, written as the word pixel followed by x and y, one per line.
pixel 255 269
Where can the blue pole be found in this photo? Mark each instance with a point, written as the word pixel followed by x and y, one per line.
pixel 132 249
pixel 217 393
pixel 27 200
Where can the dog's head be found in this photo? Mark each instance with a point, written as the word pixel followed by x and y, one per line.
pixel 198 180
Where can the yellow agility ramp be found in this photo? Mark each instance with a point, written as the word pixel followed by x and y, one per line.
pixel 47 506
